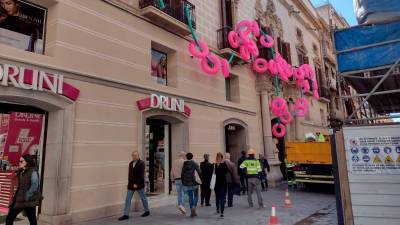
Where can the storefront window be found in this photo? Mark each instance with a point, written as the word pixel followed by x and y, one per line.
pixel 22 25
pixel 159 67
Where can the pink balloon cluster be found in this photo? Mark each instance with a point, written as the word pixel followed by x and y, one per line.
pixel 210 63
pixel 242 38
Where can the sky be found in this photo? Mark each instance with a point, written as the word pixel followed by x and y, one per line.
pixel 343 7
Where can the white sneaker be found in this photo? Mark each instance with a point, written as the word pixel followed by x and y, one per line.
pixel 182 209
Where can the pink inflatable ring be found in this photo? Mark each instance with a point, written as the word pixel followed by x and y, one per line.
pixel 225 68
pixel 210 69
pixel 264 42
pixel 278 106
pixel 244 53
pixel 244 23
pixel 233 39
pixel 197 52
pixel 260 65
pixel 300 111
pixel 286 117
pixel 277 133
pixel 273 67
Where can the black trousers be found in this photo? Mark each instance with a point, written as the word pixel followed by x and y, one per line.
pixel 220 196
pixel 231 191
pixel 205 194
pixel 13 213
pixel 244 183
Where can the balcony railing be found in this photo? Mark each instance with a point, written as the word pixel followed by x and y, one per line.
pixel 222 35
pixel 174 8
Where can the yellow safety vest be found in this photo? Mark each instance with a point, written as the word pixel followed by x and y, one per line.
pixel 252 166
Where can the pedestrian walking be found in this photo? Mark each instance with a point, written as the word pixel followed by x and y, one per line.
pixel 264 166
pixel 135 183
pixel 221 186
pixel 176 178
pixel 232 179
pixel 242 174
pixel 206 170
pixel 253 171
pixel 27 196
pixel 190 183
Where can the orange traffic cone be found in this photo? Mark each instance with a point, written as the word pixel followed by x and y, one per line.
pixel 273 220
pixel 288 203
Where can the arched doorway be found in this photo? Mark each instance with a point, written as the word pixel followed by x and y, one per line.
pixel 165 134
pixel 56 160
pixel 282 152
pixel 236 133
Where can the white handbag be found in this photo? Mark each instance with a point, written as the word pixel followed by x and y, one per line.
pixel 213 180
pixel 197 177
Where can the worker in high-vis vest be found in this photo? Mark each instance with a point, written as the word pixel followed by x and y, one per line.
pixel 253 170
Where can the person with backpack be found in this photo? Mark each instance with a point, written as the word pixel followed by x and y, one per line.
pixel 191 182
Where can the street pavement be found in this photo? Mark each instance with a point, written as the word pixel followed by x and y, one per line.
pixel 309 208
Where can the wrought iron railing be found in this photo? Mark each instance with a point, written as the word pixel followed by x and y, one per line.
pixel 222 35
pixel 174 8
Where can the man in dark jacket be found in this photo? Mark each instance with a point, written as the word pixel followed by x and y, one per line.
pixel 189 169
pixel 264 166
pixel 242 173
pixel 207 171
pixel 135 183
pixel 232 179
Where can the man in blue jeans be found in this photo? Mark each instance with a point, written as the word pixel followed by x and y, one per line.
pixel 176 178
pixel 135 183
pixel 190 185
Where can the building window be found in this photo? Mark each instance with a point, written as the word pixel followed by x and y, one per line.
pixel 159 66
pixel 22 25
pixel 284 50
pixel 265 53
pixel 232 89
pixel 323 119
pixel 303 59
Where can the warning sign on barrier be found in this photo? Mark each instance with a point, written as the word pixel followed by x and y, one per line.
pixel 388 160
pixel 377 160
pixel 373 150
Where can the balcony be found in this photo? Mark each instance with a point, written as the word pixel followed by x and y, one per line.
pixel 223 44
pixel 172 17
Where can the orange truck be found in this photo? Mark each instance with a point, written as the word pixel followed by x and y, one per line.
pixel 311 162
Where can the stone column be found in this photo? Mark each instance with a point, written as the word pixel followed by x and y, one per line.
pixel 264 86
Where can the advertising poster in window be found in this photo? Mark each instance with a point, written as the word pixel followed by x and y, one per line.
pixel 23 137
pixel 159 67
pixel 4 121
pixel 373 150
pixel 22 25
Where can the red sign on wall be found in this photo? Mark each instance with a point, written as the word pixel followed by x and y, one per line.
pixel 23 136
